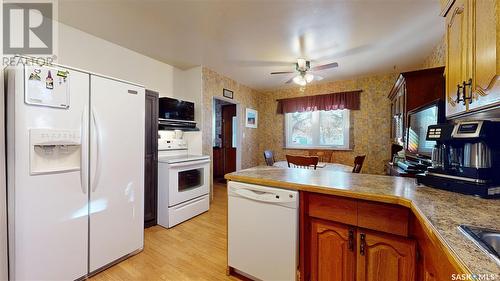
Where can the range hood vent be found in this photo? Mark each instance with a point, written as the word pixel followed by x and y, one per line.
pixel 169 124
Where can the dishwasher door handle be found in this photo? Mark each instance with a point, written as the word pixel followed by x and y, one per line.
pixel 258 195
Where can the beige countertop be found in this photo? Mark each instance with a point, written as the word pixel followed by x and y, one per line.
pixel 442 211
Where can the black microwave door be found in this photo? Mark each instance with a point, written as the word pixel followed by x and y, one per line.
pixel 176 109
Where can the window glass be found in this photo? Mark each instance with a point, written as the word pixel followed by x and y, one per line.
pixel 317 129
pixel 331 129
pixel 301 131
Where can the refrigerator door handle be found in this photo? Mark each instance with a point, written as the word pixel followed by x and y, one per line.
pixel 98 152
pixel 83 154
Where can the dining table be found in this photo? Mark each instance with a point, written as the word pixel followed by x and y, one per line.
pixel 321 166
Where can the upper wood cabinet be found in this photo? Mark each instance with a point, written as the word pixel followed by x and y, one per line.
pixel 456 56
pixel 486 66
pixel 384 257
pixel 332 251
pixel 412 90
pixel 472 68
pixel 398 110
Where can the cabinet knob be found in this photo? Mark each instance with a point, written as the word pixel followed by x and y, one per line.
pixel 459 87
pixel 362 244
pixel 464 86
pixel 351 240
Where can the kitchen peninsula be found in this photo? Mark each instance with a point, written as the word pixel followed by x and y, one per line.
pixel 417 226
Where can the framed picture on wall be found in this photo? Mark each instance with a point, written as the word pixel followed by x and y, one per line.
pixel 228 93
pixel 251 118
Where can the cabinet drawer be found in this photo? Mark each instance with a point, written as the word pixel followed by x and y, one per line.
pixel 333 208
pixel 383 217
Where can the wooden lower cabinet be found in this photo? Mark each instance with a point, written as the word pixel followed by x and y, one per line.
pixel 433 264
pixel 384 257
pixel 347 239
pixel 333 254
pixel 340 252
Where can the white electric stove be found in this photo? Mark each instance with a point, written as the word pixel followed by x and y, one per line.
pixel 183 181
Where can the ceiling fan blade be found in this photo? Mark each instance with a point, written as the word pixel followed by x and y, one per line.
pixel 282 72
pixel 325 66
pixel 327 52
pixel 262 63
pixel 289 80
pixel 302 45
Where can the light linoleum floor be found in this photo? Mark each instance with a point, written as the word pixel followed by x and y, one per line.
pixel 193 250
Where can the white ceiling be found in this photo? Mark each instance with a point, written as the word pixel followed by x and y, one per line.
pixel 246 40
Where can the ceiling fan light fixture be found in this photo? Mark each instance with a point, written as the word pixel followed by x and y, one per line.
pixel 301 63
pixel 299 79
pixel 309 77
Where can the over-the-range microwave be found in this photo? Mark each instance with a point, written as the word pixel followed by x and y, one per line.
pixel 175 110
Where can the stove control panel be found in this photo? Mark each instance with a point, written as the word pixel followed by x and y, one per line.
pixel 171 144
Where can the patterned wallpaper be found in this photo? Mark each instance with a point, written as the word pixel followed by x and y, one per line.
pixel 371 130
pixel 437 56
pixel 213 84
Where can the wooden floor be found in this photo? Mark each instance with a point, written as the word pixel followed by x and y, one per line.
pixel 193 250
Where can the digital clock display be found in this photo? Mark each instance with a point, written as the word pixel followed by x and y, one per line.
pixel 468 128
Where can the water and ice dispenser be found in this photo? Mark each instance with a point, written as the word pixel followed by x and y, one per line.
pixel 54 151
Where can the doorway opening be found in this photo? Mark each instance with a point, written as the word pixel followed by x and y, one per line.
pixel 225 138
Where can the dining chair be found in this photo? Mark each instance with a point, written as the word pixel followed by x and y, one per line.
pixel 304 162
pixel 358 163
pixel 323 155
pixel 269 157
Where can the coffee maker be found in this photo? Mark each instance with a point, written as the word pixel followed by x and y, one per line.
pixel 465 159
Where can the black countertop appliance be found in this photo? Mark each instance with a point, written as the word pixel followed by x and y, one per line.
pixel 465 159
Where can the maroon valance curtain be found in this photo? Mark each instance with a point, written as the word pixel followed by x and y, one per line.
pixel 343 100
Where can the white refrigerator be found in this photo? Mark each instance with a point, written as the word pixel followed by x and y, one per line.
pixel 75 170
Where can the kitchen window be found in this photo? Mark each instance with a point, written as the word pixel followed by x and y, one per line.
pixel 318 129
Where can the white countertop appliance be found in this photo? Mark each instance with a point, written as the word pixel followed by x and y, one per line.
pixel 263 231
pixel 75 166
pixel 183 180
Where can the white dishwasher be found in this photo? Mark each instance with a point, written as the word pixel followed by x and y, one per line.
pixel 263 231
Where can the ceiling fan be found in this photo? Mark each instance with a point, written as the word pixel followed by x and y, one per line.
pixel 303 69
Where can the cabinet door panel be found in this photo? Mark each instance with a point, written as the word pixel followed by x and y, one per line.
pixel 385 257
pixel 486 82
pixel 456 57
pixel 332 255
pixel 151 159
pixel 150 191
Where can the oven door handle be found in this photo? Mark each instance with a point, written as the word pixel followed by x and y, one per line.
pixel 189 163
